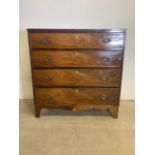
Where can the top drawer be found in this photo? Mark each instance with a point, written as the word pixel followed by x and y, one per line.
pixel 76 40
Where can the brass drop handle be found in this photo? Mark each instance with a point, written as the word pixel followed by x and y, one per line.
pixel 103 97
pixel 45 40
pixel 47 59
pixel 104 78
pixel 107 40
pixel 49 97
pixel 48 77
pixel 105 59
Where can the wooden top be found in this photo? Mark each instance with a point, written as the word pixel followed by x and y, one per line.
pixel 76 30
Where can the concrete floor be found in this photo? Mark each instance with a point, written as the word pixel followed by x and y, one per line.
pixel 62 132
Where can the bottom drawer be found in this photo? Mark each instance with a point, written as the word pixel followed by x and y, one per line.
pixel 73 96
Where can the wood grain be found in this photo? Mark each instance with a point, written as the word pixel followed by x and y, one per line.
pixel 77 69
pixel 77 77
pixel 76 58
pixel 73 96
pixel 106 41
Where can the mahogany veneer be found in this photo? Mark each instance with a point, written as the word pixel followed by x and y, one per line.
pixel 77 69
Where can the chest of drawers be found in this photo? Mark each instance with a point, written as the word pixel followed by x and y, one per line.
pixel 77 69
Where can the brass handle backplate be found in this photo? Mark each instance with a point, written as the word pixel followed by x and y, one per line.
pixel 107 40
pixel 47 59
pixel 48 77
pixel 104 78
pixel 46 41
pixel 49 97
pixel 104 59
pixel 103 97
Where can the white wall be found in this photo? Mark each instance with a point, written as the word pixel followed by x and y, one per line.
pixel 77 14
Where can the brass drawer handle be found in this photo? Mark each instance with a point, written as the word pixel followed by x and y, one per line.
pixel 47 59
pixel 107 41
pixel 48 77
pixel 46 41
pixel 105 59
pixel 103 97
pixel 105 78
pixel 49 97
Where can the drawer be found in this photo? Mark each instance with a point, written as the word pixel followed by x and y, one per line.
pixel 73 96
pixel 55 96
pixel 43 58
pixel 77 77
pixel 98 96
pixel 106 41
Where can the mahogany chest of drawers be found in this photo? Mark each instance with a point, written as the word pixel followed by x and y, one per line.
pixel 77 69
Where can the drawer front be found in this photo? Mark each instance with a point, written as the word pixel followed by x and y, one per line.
pixel 77 77
pixel 76 58
pixel 98 96
pixel 72 96
pixel 55 96
pixel 53 59
pixel 100 59
pixel 106 41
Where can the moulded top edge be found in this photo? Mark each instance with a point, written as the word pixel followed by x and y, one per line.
pixel 76 30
